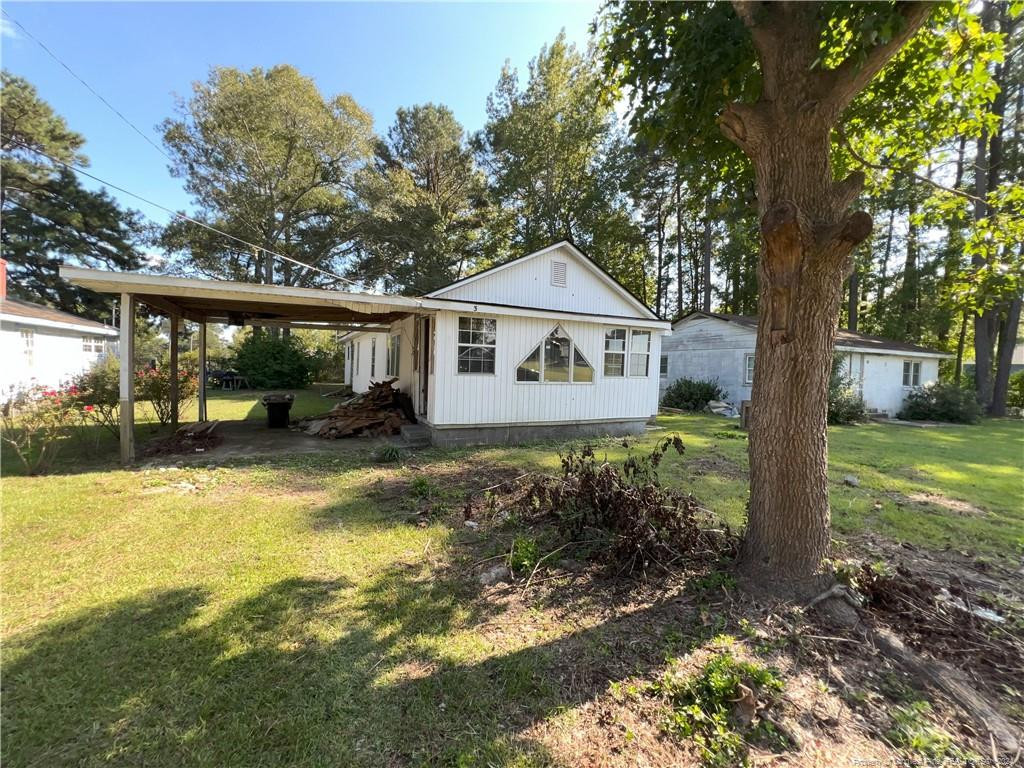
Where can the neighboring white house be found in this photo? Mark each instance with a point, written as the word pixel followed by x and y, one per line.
pixel 547 345
pixel 705 345
pixel 46 345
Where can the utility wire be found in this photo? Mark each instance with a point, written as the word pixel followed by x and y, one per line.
pixel 82 171
pixel 88 87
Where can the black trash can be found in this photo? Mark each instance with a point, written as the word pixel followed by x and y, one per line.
pixel 277 407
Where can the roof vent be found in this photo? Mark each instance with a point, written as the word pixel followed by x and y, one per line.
pixel 558 274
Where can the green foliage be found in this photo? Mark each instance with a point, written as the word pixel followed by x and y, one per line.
pixel 845 406
pixel 423 204
pixel 153 385
pixel 267 159
pixel 523 554
pixel 34 421
pixel 47 216
pixel 942 401
pixel 270 362
pixel 1015 397
pixel 388 454
pixel 421 487
pixel 705 706
pixel 692 394
pixel 912 729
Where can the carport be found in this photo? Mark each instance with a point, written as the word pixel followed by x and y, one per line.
pixel 233 303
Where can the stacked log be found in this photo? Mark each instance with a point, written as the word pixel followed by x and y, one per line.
pixel 381 410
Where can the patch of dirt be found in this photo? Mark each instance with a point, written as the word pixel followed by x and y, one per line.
pixel 924 499
pixel 715 464
pixel 181 445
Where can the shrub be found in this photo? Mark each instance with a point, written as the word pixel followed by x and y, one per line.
pixel 524 554
pixel 692 394
pixel 34 420
pixel 153 385
pixel 98 394
pixel 1015 395
pixel 845 406
pixel 388 454
pixel 272 363
pixel 942 401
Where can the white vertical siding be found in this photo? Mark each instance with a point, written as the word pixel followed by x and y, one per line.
pixel 480 399
pixel 883 380
pixel 529 284
pixel 57 355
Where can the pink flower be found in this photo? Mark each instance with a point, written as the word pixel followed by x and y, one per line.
pixel 90 408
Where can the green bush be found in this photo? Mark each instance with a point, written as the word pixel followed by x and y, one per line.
pixel 942 401
pixel 153 385
pixel 273 363
pixel 1015 397
pixel 845 406
pixel 98 393
pixel 692 394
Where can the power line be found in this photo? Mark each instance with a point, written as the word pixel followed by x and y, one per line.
pixel 91 90
pixel 83 172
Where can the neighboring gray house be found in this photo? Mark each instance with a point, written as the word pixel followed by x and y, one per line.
pixel 705 345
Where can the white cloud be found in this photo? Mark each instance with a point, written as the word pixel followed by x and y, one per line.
pixel 7 29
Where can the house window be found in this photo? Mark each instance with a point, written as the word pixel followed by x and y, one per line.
pixel 92 344
pixel 664 367
pixel 911 373
pixel 394 344
pixel 28 343
pixel 477 344
pixel 639 353
pixel 373 357
pixel 558 274
pixel 615 352
pixel 560 363
pixel 359 345
pixel 748 369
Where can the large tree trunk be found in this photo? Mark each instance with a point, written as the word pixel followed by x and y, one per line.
pixel 679 249
pixel 807 235
pixel 909 299
pixel 706 259
pixel 1004 361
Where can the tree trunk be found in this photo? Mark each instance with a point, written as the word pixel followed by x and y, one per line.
pixel 1007 342
pixel 679 250
pixel 909 298
pixel 807 235
pixel 706 259
pixel 960 344
pixel 659 281
pixel 884 266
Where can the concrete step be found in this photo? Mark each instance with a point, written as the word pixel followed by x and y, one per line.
pixel 415 435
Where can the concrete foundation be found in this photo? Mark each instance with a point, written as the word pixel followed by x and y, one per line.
pixel 516 434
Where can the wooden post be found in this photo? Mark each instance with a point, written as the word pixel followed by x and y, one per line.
pixel 127 371
pixel 175 394
pixel 202 371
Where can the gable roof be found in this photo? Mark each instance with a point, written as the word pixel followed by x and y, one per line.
pixel 17 310
pixel 845 339
pixel 588 262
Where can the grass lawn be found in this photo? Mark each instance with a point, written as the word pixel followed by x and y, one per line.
pixel 298 610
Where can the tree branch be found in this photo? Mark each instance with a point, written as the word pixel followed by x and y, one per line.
pixel 852 76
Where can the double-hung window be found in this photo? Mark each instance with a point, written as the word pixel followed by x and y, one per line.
pixel 663 371
pixel 555 360
pixel 615 352
pixel 394 345
pixel 911 373
pixel 477 343
pixel 639 353
pixel 748 369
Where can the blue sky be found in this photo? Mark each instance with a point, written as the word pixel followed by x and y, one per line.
pixel 139 56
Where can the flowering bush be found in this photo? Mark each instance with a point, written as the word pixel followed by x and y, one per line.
pixel 97 395
pixel 154 386
pixel 34 421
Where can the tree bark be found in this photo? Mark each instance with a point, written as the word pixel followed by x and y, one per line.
pixel 909 299
pixel 853 301
pixel 807 235
pixel 706 259
pixel 679 249
pixel 960 344
pixel 1007 342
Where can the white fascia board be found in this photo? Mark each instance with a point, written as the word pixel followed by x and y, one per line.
pixel 468 307
pixel 69 326
pixel 893 352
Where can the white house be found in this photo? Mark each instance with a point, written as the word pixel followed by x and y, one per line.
pixel 705 345
pixel 547 345
pixel 47 345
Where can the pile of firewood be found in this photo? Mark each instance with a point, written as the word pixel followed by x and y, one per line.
pixel 381 410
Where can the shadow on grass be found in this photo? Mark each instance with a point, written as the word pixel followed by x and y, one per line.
pixel 306 672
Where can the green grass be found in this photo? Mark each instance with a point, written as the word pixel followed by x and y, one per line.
pixel 285 611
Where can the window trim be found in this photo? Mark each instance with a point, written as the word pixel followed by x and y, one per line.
pixel 572 360
pixel 915 372
pixel 748 368
pixel 646 353
pixel 459 345
pixel 627 352
pixel 663 366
